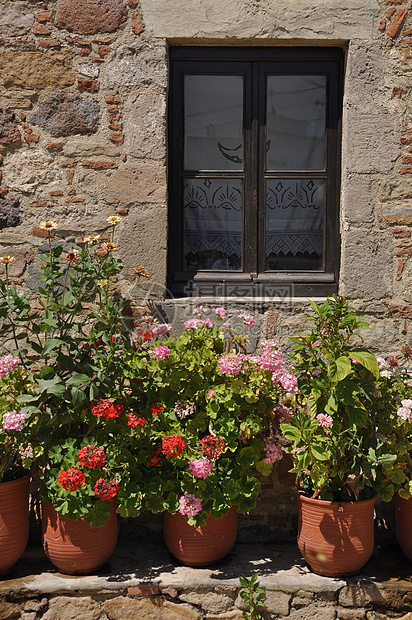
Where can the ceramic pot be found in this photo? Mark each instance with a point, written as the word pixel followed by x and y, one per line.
pixel 200 546
pixel 14 521
pixel 74 547
pixel 403 524
pixel 336 538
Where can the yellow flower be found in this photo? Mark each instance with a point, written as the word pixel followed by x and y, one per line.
pixel 91 239
pixel 102 282
pixel 113 219
pixel 5 260
pixel 48 225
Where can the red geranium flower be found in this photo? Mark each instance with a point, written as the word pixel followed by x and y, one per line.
pixel 71 479
pixel 157 409
pixel 213 446
pixel 106 489
pixel 173 445
pixel 91 456
pixel 154 459
pixel 104 408
pixel 133 421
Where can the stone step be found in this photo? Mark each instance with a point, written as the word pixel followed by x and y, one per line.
pixel 143 581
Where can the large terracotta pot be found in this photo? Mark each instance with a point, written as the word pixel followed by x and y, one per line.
pixel 336 538
pixel 403 524
pixel 200 546
pixel 14 521
pixel 74 547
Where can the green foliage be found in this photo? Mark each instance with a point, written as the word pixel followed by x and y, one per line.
pixel 69 338
pixel 251 594
pixel 338 453
pixel 201 395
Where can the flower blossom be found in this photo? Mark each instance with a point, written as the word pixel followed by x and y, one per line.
pixel 7 363
pixel 26 452
pixel 173 445
pixel 324 420
pixel 200 468
pixel 183 409
pixel 232 363
pixel 104 408
pixel 153 459
pixel 91 239
pixel 72 257
pixel 193 323
pixel 71 479
pixel 48 225
pixel 133 421
pixel 220 312
pixel 157 409
pixel 199 310
pixel 213 446
pixel 106 489
pixel 210 393
pixel 13 421
pixel 190 505
pixel 407 402
pixel 208 323
pixel 113 219
pixel 273 451
pixel 160 352
pixel 162 328
pixel 247 319
pixel 5 260
pixel 91 456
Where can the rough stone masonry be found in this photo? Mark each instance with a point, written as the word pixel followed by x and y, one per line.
pixel 83 102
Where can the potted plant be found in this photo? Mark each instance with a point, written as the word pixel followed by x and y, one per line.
pixel 395 425
pixel 208 424
pixel 70 340
pixel 337 451
pixel 17 431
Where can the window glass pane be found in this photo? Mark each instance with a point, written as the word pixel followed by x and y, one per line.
pixel 213 224
pixel 296 122
pixel 294 223
pixel 213 120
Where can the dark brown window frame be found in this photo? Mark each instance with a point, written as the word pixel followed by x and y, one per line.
pixel 255 63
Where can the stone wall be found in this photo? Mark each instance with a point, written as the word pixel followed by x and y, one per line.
pixel 83 102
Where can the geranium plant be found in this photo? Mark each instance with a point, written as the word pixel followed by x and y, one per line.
pixel 337 451
pixel 71 345
pixel 17 429
pixel 209 422
pixel 395 419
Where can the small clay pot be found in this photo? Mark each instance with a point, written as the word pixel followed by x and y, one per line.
pixel 403 524
pixel 200 546
pixel 336 538
pixel 75 547
pixel 14 521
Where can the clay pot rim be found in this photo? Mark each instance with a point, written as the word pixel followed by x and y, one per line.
pixel 21 479
pixel 327 502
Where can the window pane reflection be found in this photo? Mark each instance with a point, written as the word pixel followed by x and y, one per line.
pixel 294 223
pixel 296 121
pixel 213 122
pixel 213 224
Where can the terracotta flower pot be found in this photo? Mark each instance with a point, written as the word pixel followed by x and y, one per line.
pixel 74 547
pixel 200 546
pixel 14 521
pixel 403 524
pixel 336 538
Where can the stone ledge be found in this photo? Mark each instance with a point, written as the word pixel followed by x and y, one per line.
pixel 142 580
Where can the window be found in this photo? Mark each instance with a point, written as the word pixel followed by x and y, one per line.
pixel 254 170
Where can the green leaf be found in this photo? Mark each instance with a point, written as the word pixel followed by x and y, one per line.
pixel 367 359
pixel 79 379
pixel 51 345
pixel 78 396
pixel 339 369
